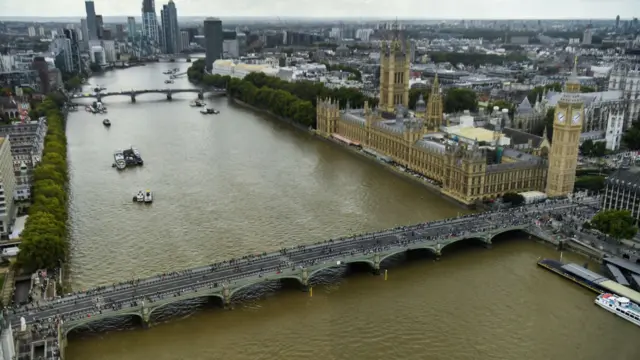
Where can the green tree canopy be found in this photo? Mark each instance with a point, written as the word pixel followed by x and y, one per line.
pixel 459 100
pixel 44 238
pixel 593 149
pixel 512 198
pixel 631 137
pixel 619 224
pixel 590 182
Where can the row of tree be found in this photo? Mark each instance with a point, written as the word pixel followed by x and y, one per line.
pixel 631 137
pixel 455 100
pixel 44 238
pixel 593 149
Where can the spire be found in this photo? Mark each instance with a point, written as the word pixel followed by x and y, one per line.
pixel 544 133
pixel 573 83
pixel 436 85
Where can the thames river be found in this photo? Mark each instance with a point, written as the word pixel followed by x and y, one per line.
pixel 237 183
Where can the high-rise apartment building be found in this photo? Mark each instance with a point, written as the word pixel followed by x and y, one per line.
pixel 99 26
pixel 91 20
pixel 31 31
pixel 60 47
pixel 170 30
pixel 84 27
pixel 213 41
pixel 149 21
pixel 131 27
pixel 7 187
pixel 72 36
pixel 184 40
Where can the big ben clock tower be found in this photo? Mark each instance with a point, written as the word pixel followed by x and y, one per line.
pixel 567 127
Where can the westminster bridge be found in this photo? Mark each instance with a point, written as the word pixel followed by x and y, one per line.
pixel 224 280
pixel 133 94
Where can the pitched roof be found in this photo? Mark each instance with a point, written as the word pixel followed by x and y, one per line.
pixel 520 137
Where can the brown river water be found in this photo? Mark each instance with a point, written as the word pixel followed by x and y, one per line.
pixel 238 183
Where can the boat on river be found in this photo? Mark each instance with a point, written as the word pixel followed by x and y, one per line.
pixel 620 306
pixel 106 122
pixel 208 111
pixel 118 157
pixel 197 103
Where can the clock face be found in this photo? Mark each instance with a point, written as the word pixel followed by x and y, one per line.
pixel 576 118
pixel 561 118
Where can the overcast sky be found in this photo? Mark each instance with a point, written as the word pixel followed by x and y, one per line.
pixel 432 9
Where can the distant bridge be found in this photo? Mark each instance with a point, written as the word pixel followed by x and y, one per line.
pixel 133 94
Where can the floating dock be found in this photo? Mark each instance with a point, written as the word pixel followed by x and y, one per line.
pixel 589 279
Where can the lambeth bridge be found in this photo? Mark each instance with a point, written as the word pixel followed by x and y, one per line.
pixel 134 93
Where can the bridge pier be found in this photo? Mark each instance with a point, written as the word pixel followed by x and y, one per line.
pixel 133 98
pixel 146 316
pixel 226 297
pixel 376 264
pixel 201 95
pixel 438 251
pixel 169 96
pixel 99 98
pixel 305 280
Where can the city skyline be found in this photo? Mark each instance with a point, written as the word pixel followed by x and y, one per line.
pixel 406 9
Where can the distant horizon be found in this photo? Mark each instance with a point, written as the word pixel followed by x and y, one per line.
pixel 318 18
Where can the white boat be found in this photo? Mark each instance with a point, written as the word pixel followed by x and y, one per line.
pixel 139 197
pixel 209 111
pixel 197 103
pixel 120 162
pixel 148 196
pixel 620 306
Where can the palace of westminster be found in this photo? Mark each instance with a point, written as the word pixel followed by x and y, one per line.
pixel 471 164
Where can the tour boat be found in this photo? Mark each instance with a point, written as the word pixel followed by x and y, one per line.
pixel 620 306
pixel 148 197
pixel 139 197
pixel 118 157
pixel 168 81
pixel 197 103
pixel 106 122
pixel 209 111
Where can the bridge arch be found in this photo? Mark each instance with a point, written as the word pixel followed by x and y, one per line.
pixel 470 239
pixel 246 286
pixel 90 320
pixel 406 250
pixel 502 232
pixel 197 295
pixel 368 262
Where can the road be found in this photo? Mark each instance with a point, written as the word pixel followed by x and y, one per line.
pixel 161 286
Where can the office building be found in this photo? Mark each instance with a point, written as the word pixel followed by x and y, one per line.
pixel 587 36
pixel 119 32
pixel 31 31
pixel 41 31
pixel 131 27
pixel 184 40
pixel 84 28
pixel 74 40
pixel 92 27
pixel 170 30
pixel 7 187
pixel 99 26
pixel 622 191
pixel 230 46
pixel 27 143
pixel 149 21
pixel 213 41
pixel 60 49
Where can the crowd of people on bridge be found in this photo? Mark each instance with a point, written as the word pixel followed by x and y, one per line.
pixel 167 286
